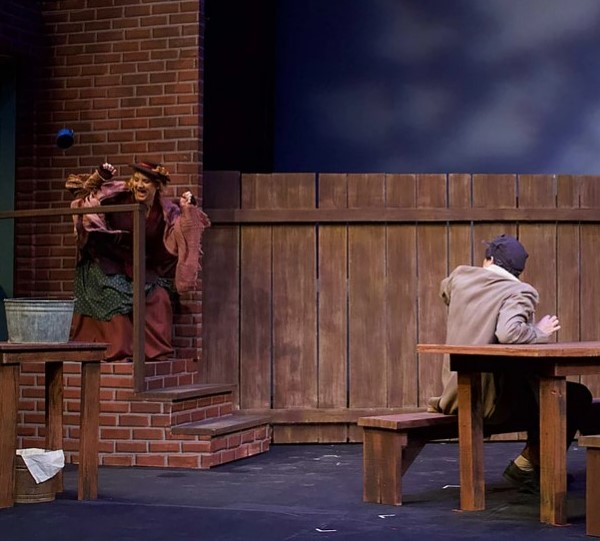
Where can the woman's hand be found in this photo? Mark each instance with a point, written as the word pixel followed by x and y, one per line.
pixel 187 199
pixel 107 171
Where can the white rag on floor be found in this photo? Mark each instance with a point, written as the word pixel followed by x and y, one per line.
pixel 42 464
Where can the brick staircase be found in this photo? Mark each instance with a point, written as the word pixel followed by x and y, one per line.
pixel 176 422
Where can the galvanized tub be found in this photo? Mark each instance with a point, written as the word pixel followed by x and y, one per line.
pixel 38 321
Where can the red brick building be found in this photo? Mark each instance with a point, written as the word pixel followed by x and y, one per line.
pixel 126 77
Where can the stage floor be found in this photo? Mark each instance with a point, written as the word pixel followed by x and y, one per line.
pixel 295 492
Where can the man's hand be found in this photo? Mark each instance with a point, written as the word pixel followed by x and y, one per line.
pixel 548 325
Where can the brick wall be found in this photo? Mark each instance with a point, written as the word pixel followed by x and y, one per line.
pixel 126 76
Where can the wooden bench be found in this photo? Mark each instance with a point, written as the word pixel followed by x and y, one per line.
pixel 390 445
pixel 592 486
pixel 392 442
pixel 590 439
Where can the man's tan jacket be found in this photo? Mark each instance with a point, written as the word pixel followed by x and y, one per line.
pixel 486 306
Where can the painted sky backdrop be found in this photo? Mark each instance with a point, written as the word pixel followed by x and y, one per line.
pixel 490 86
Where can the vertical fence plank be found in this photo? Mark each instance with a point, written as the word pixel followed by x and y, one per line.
pixel 432 269
pixel 589 312
pixel 294 297
pixel 460 249
pixel 400 296
pixel 221 299
pixel 256 298
pixel 538 191
pixel 333 299
pixel 460 252
pixel 567 263
pixel 332 307
pixel 220 281
pixel 366 249
pixel 492 191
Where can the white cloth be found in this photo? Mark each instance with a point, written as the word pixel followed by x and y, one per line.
pixel 42 464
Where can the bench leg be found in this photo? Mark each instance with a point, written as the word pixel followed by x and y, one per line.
pixel 592 496
pixel 386 456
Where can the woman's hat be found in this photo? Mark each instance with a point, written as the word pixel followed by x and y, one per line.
pixel 152 170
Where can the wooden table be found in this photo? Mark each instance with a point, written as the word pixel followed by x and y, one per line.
pixel 53 356
pixel 552 363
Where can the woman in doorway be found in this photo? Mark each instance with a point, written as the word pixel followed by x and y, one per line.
pixel 103 286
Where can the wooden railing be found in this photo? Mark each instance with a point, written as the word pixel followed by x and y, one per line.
pixel 139 270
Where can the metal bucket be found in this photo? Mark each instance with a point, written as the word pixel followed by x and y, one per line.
pixel 27 490
pixel 36 321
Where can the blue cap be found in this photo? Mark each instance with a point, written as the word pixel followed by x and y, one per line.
pixel 508 253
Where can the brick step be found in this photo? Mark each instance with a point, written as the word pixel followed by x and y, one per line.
pixel 186 392
pixel 137 429
pixel 227 424
pixel 171 373
pixel 174 406
pixel 223 439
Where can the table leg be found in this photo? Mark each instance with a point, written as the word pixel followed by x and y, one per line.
pixel 553 450
pixel 54 412
pixel 470 440
pixel 9 399
pixel 88 432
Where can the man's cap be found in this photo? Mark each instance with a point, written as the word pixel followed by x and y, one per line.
pixel 152 170
pixel 508 253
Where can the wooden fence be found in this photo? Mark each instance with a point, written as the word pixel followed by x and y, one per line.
pixel 318 287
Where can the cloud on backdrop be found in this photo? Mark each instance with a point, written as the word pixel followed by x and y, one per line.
pixel 494 86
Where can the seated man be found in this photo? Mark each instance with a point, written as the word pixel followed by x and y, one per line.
pixel 487 305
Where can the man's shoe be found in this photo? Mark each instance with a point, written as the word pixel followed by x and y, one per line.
pixel 526 481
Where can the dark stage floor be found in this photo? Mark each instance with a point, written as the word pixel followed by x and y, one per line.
pixel 294 492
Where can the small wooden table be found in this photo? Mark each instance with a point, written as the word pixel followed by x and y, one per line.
pixel 552 363
pixel 52 355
